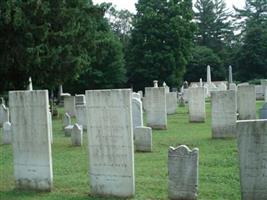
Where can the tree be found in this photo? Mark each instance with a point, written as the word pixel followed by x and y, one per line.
pixel 107 68
pixel 215 30
pixel 197 67
pixel 50 41
pixel 160 42
pixel 251 60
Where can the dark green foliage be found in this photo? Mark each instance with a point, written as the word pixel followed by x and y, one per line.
pixel 49 41
pixel 197 68
pixel 160 43
pixel 251 59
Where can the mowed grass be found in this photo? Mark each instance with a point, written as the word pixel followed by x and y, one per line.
pixel 218 164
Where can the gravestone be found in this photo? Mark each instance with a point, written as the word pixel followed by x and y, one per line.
pixel 230 79
pixel 79 99
pixel 137 112
pixel 66 120
pixel 265 94
pixel 171 102
pixel 136 95
pixel 29 112
pixel 50 127
pixel 4 114
pixel 68 130
pixel 69 105
pixel 223 114
pixel 7 133
pixel 263 112
pixel 208 75
pixel 110 134
pixel 77 135
pixel 140 92
pixel 143 139
pixel 155 82
pixel 246 102
pixel 259 92
pixel 183 173
pixel 81 116
pixel 156 107
pixel 252 143
pixel 30 84
pixel 232 86
pixel 222 86
pixel 196 104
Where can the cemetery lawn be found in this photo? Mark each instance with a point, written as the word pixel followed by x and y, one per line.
pixel 218 164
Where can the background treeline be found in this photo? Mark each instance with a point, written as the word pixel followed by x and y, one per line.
pixel 86 46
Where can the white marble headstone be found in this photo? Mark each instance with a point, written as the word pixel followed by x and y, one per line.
pixel 29 112
pixel 77 135
pixel 81 115
pixel 183 173
pixel 252 143
pixel 156 107
pixel 111 150
pixel 223 114
pixel 171 102
pixel 246 102
pixel 7 133
pixel 137 112
pixel 143 139
pixel 69 105
pixel 196 104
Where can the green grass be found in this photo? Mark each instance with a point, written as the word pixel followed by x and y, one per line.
pixel 218 167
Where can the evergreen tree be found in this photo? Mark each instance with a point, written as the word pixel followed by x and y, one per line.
pixel 160 42
pixel 251 59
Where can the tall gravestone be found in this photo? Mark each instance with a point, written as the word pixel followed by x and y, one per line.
pixel 156 107
pixel 110 134
pixel 137 112
pixel 69 105
pixel 171 102
pixel 7 133
pixel 81 115
pixel 183 173
pixel 29 112
pixel 252 143
pixel 246 102
pixel 223 114
pixel 4 114
pixel 196 104
pixel 230 78
pixel 143 139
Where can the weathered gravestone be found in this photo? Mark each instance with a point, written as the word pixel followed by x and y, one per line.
pixel 4 114
pixel 140 92
pixel 77 135
pixel 137 112
pixel 223 114
pixel 7 133
pixel 171 102
pixel 263 112
pixel 183 173
pixel 196 104
pixel 110 134
pixel 29 112
pixel 265 94
pixel 68 130
pixel 50 126
pixel 156 107
pixel 232 86
pixel 246 102
pixel 136 95
pixel 81 116
pixel 252 143
pixel 259 92
pixel 66 120
pixel 143 139
pixel 79 99
pixel 69 105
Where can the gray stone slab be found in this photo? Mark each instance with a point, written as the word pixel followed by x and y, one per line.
pixel 69 105
pixel 29 112
pixel 66 120
pixel 171 102
pixel 110 134
pixel 156 110
pixel 223 114
pixel 68 130
pixel 137 112
pixel 196 104
pixel 252 143
pixel 246 102
pixel 143 139
pixel 7 133
pixel 81 115
pixel 183 173
pixel 77 135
